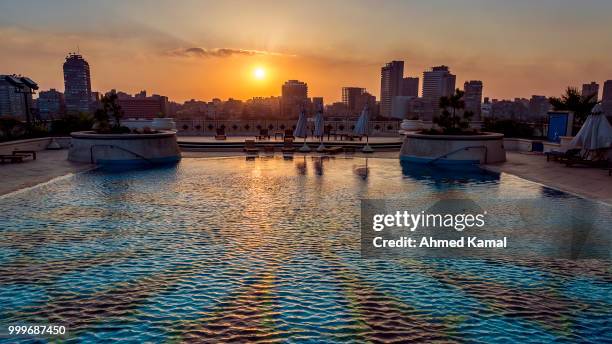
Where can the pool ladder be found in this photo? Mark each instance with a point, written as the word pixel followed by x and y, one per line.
pixel 91 153
pixel 459 150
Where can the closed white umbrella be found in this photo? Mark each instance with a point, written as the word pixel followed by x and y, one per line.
pixel 362 128
pixel 301 130
pixel 319 128
pixel 595 133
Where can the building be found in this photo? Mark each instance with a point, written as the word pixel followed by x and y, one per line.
pixel 50 104
pixel 262 108
pixel 538 107
pixel 473 98
pixel 517 110
pixel 606 98
pixel 349 98
pixel 363 100
pixel 391 77
pixel 410 87
pixel 294 95
pixel 437 82
pixel 317 103
pixel 142 106
pixel 77 84
pixel 590 89
pixel 16 96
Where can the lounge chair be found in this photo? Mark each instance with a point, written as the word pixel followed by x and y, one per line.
pixel 11 158
pixel 288 134
pixel 25 153
pixel 288 146
pixel 603 163
pixel 263 133
pixel 562 156
pixel 220 134
pixel 249 147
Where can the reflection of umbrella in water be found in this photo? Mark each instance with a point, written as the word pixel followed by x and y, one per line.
pixel 318 165
pixel 301 130
pixel 362 171
pixel 301 166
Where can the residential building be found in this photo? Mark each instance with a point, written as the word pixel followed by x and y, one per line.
pixel 294 97
pixel 391 77
pixel 437 82
pixel 410 87
pixel 16 96
pixel 590 89
pixel 142 106
pixel 50 104
pixel 473 98
pixel 363 100
pixel 538 107
pixel 317 104
pixel 77 84
pixel 606 98
pixel 349 98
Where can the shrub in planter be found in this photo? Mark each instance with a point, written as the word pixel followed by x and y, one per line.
pixel 453 120
pixel 185 127
pixel 247 127
pixel 198 127
pixel 210 127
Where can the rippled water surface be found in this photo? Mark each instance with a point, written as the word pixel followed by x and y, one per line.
pixel 221 250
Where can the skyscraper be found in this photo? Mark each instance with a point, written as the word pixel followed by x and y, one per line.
pixel 349 98
pixel 391 77
pixel 473 98
pixel 294 96
pixel 438 82
pixel 410 87
pixel 590 89
pixel 77 83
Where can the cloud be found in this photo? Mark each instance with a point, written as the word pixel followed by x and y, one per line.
pixel 219 52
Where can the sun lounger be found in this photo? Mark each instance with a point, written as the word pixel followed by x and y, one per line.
pixel 288 134
pixel 586 162
pixel 288 146
pixel 220 134
pixel 25 153
pixel 249 147
pixel 11 158
pixel 562 156
pixel 263 133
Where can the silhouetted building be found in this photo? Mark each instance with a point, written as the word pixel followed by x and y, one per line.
pixel 391 77
pixel 363 100
pixel 50 104
pixel 590 89
pixel 507 109
pixel 349 97
pixel 294 96
pixel 77 84
pixel 538 107
pixel 141 106
pixel 410 87
pixel 473 98
pixel 317 104
pixel 15 95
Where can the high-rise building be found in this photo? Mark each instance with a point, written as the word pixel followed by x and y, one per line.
pixel 590 89
pixel 438 82
pixel 606 98
pixel 391 77
pixel 16 96
pixel 410 87
pixel 50 103
pixel 294 96
pixel 77 84
pixel 473 98
pixel 349 98
pixel 317 103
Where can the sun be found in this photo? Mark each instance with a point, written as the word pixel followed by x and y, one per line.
pixel 259 73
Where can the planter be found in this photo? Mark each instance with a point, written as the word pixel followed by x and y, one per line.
pixel 124 150
pixel 485 148
pixel 137 123
pixel 411 125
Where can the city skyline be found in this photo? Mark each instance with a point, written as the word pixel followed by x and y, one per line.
pixel 199 52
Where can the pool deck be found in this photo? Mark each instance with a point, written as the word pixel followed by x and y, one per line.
pixel 587 182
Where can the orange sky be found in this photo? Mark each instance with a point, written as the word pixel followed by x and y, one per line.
pixel 206 49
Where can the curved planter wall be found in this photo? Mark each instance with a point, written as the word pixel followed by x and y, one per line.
pixel 486 148
pixel 124 149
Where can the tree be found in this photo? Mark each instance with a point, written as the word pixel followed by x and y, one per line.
pixel 573 101
pixel 110 110
pixel 453 119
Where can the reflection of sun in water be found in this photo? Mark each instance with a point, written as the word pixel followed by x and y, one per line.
pixel 259 73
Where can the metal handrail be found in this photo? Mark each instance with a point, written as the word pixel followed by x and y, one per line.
pixel 91 153
pixel 459 150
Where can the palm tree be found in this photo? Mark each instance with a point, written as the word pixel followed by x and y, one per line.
pixel 573 101
pixel 453 118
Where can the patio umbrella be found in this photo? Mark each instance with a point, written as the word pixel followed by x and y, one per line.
pixel 596 132
pixel 362 128
pixel 319 129
pixel 301 130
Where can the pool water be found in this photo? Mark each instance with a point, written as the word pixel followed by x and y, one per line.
pixel 268 250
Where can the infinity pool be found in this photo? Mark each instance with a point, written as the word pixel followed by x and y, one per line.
pixel 221 250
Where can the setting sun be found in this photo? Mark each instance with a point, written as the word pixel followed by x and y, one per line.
pixel 259 73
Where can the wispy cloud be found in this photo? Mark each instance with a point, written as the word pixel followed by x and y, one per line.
pixel 219 52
